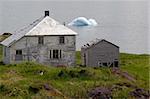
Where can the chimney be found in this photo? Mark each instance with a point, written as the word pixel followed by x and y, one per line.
pixel 46 13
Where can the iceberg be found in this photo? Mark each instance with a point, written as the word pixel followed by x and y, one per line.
pixel 82 21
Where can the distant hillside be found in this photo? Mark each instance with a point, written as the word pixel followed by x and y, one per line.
pixel 31 80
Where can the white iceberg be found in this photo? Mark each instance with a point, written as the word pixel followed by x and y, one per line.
pixel 82 21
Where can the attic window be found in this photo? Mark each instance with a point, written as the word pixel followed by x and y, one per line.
pixel 40 40
pixel 61 39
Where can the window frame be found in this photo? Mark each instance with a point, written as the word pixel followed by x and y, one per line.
pixel 61 39
pixel 55 54
pixel 18 52
pixel 41 40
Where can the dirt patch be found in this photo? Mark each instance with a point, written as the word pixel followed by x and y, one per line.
pixel 53 91
pixel 126 85
pixel 123 74
pixel 106 93
pixel 74 73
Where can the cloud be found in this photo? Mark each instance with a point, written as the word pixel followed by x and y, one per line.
pixel 82 21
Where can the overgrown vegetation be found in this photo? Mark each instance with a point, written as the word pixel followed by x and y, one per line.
pixel 31 80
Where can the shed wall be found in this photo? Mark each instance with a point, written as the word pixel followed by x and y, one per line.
pixel 102 52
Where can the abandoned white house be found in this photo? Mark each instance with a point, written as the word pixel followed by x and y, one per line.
pixel 100 53
pixel 44 41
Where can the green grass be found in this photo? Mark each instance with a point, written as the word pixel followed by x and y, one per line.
pixel 16 79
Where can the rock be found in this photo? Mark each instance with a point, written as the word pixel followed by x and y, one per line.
pixel 61 74
pixel 100 93
pixel 47 87
pixel 33 89
pixel 140 93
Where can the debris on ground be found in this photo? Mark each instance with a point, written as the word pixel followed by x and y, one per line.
pixel 52 91
pixel 100 93
pixel 74 73
pixel 40 72
pixel 123 74
pixel 33 89
pixel 61 74
pixel 140 93
pixel 126 85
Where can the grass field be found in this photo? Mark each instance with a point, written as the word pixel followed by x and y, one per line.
pixel 24 80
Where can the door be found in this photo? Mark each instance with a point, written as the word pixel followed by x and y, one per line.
pixel 115 63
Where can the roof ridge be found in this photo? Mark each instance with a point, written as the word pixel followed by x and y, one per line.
pixel 42 26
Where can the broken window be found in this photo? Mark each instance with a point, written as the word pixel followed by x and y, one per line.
pixel 116 63
pixel 61 39
pixel 104 64
pixel 18 56
pixel 40 40
pixel 18 52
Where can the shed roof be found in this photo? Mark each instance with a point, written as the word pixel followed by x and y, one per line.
pixel 97 41
pixel 40 27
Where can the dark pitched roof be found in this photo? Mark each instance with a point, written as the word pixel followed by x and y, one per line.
pixel 87 46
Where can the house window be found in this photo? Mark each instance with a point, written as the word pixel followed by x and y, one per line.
pixel 61 39
pixel 40 40
pixel 59 53
pixel 56 54
pixel 50 54
pixel 18 56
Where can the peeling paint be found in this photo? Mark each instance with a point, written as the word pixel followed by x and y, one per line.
pixel 32 51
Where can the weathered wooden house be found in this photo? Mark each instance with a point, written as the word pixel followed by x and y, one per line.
pixel 44 41
pixel 100 53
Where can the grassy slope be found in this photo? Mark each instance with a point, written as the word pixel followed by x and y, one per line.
pixel 15 80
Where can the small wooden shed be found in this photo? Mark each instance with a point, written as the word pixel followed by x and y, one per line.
pixel 100 53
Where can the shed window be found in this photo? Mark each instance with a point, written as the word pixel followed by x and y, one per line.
pixel 61 39
pixel 18 56
pixel 40 40
pixel 18 52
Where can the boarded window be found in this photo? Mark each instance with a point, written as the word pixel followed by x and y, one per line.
pixel 61 39
pixel 40 40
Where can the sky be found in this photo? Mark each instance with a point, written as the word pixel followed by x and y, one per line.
pixel 15 14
